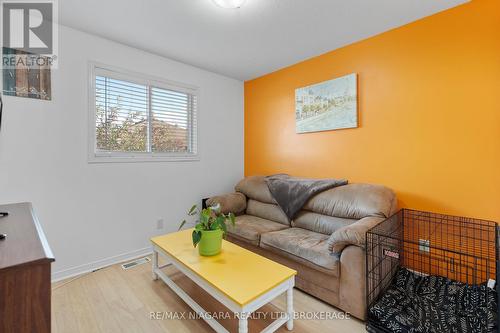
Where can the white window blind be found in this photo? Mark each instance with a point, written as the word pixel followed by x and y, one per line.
pixel 172 117
pixel 142 118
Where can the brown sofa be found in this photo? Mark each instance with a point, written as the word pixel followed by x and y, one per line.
pixel 325 241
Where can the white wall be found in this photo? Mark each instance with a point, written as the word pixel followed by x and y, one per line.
pixel 92 213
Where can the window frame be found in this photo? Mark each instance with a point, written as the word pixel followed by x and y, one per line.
pixel 97 69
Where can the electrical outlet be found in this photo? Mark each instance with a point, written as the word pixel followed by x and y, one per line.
pixel 424 245
pixel 159 224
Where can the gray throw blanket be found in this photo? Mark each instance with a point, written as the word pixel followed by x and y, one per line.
pixel 292 193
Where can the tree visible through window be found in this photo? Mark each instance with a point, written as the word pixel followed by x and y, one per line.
pixel 133 117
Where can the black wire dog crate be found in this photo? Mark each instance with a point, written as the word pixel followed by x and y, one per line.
pixel 428 272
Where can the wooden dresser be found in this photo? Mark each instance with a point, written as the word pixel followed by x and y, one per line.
pixel 25 259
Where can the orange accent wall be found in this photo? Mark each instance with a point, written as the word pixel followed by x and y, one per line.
pixel 429 107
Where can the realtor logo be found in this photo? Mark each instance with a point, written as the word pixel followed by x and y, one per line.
pixel 29 26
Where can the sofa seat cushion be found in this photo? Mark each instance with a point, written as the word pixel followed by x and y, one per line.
pixel 250 228
pixel 303 244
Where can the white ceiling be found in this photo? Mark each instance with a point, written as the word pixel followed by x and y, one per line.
pixel 258 38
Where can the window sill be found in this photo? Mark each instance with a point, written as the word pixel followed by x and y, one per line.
pixel 111 158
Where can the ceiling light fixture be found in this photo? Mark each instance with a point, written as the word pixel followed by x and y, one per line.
pixel 229 3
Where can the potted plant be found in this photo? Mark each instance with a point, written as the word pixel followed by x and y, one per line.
pixel 210 228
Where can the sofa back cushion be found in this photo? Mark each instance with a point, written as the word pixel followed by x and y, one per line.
pixel 255 187
pixel 323 224
pixel 354 201
pixel 266 211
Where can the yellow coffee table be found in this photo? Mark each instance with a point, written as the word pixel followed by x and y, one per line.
pixel 240 279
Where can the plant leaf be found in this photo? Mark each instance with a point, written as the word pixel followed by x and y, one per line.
pixel 214 225
pixel 204 218
pixel 196 237
pixel 220 219
pixel 232 218
pixel 182 224
pixel 192 211
pixel 223 226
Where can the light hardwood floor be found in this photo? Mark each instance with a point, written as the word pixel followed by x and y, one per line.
pixel 115 300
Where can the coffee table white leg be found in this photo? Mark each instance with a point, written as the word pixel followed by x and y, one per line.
pixel 155 264
pixel 289 308
pixel 243 323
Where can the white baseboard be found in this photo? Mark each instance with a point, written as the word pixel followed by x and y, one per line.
pixel 70 272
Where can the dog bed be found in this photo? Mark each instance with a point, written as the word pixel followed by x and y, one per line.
pixel 415 303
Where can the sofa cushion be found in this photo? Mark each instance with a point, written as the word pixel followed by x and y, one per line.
pixel 229 203
pixel 255 187
pixel 250 228
pixel 323 224
pixel 304 244
pixel 266 211
pixel 354 201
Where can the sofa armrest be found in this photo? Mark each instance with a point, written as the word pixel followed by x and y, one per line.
pixel 229 203
pixel 353 234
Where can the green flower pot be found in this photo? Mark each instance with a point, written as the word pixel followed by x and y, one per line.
pixel 210 243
